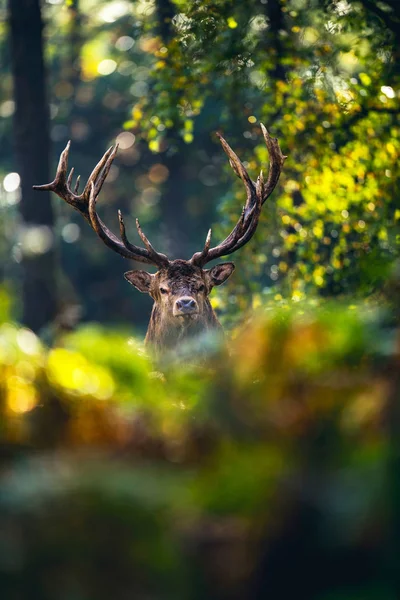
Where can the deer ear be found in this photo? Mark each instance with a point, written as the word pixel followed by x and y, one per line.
pixel 140 279
pixel 220 273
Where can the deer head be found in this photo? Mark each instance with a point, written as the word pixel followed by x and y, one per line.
pixel 179 288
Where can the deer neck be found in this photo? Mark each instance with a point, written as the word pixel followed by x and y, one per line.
pixel 164 334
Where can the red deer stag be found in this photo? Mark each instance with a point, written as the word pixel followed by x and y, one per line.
pixel 180 288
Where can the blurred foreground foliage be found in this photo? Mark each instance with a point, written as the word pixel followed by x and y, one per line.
pixel 269 469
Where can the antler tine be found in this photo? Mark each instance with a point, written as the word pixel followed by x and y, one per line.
pixel 122 230
pixel 156 257
pixel 102 169
pixel 257 194
pixel 238 167
pixel 85 203
pixel 200 258
pixel 160 259
pixel 60 178
pixel 277 160
pixel 208 242
pixel 70 177
pixel 108 237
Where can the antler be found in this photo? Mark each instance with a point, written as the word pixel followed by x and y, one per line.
pixel 85 204
pixel 257 194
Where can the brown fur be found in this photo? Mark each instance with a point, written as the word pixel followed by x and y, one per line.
pixel 180 279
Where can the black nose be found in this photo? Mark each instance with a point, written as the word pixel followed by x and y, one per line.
pixel 186 305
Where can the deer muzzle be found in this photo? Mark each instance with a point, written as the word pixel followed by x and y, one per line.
pixel 185 305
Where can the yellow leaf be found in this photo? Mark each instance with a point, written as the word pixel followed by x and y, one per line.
pixel 137 113
pixel 154 145
pixel 365 79
pixel 391 148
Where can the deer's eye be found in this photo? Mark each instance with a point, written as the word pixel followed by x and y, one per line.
pixel 163 290
pixel 201 288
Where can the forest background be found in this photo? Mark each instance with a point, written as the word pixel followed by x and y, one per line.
pixel 321 76
pixel 273 469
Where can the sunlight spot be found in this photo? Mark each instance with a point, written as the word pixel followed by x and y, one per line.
pixel 232 23
pixel 36 239
pixel 11 182
pixel 124 43
pixel 145 7
pixel 21 396
pixel 259 23
pixel 258 79
pixel 114 10
pixel 7 108
pixel 28 342
pixel 182 22
pixel 154 145
pixel 388 91
pixel 70 233
pixel 297 296
pixel 106 67
pixel 342 7
pixel 125 140
pixel 158 173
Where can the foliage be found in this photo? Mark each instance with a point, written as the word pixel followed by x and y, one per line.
pixel 273 466
pixel 327 87
pixel 323 76
pixel 124 477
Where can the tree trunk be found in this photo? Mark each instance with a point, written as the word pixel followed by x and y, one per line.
pixel 31 134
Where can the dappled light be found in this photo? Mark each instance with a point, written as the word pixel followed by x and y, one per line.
pixel 246 447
